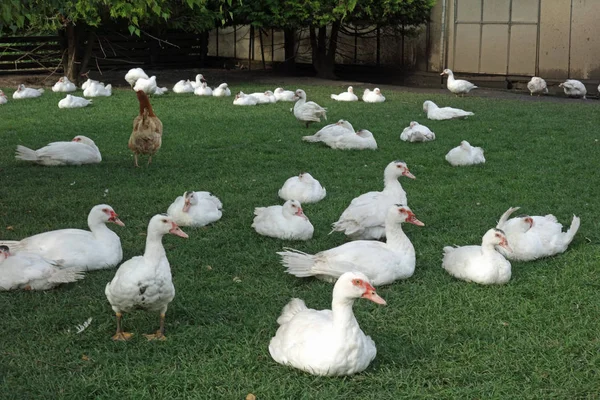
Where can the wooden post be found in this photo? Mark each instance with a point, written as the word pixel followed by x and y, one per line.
pixel 262 48
pixel 378 47
pixel 250 47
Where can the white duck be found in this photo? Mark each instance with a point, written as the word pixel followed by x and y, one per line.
pixel 196 209
pixel 537 85
pixel 183 86
pixel 23 92
pixel 480 264
pixel 266 97
pixel 198 81
pixel 242 99
pixel 303 188
pixel 30 271
pixel 64 85
pixel 145 282
pixel 330 132
pixel 97 248
pixel 89 82
pixel 80 150
pixel 133 75
pixel 360 140
pixel 326 342
pixel 535 237
pixel 308 111
pixel 161 90
pixel 457 86
pixel 284 95
pixel 365 216
pixel 97 89
pixel 436 113
pixel 3 98
pixel 73 102
pixel 286 222
pixel 222 91
pixel 345 96
pixel 374 96
pixel 465 154
pixel 383 263
pixel 416 132
pixel 147 85
pixel 574 88
pixel 203 90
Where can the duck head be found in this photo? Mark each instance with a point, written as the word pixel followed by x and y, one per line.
pixel 446 72
pixel 397 168
pixel 163 224
pixel 496 237
pixel 400 213
pixel 189 199
pixel 103 213
pixel 293 207
pixel 4 253
pixel 355 285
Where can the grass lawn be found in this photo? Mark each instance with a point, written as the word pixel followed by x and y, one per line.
pixel 535 337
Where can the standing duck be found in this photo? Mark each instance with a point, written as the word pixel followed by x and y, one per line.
pixel 81 150
pixel 97 248
pixel 308 111
pixel 29 271
pixel 64 85
pixel 286 222
pixel 436 113
pixel 303 188
pixel 374 96
pixel 382 263
pixel 23 92
pixel 365 216
pixel 535 237
pixel 465 154
pixel 345 96
pixel 326 342
pixel 416 132
pixel 196 209
pixel 480 264
pixel 537 85
pixel 457 86
pixel 146 137
pixel 574 88
pixel 145 282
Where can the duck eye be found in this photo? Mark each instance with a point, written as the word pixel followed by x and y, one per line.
pixel 165 221
pixel 105 210
pixel 357 282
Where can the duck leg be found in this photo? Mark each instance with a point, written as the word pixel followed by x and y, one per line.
pixel 160 333
pixel 120 335
pixel 149 159
pixel 135 159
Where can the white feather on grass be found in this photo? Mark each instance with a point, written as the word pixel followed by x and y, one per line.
pixel 82 327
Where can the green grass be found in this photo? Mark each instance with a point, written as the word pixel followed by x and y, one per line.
pixel 536 337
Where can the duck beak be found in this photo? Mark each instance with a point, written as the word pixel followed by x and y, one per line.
pixel 300 213
pixel 504 243
pixel 442 74
pixel 175 230
pixel 412 219
pixel 371 294
pixel 407 174
pixel 186 206
pixel 115 219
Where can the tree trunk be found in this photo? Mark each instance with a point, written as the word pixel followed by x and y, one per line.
pixel 69 64
pixel 323 52
pixel 73 60
pixel 289 36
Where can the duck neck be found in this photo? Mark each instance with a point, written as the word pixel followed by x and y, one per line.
pixel 99 229
pixel 154 247
pixel 451 77
pixel 391 184
pixel 487 248
pixel 343 317
pixel 300 102
pixel 396 238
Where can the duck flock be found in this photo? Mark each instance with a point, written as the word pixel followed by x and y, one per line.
pixel 321 342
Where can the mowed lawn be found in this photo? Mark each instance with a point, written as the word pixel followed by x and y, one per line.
pixel 535 337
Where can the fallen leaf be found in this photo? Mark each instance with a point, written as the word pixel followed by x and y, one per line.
pixel 250 397
pixel 208 267
pixel 85 358
pixel 10 228
pixel 236 279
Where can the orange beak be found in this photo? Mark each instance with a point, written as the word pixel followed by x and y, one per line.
pixel 115 218
pixel 407 174
pixel 175 230
pixel 186 206
pixel 371 294
pixel 412 219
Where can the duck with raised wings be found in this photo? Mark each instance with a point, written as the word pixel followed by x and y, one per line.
pixel 97 248
pixel 80 150
pixel 29 271
pixel 286 222
pixel 373 96
pixel 196 209
pixel 145 282
pixel 574 88
pixel 345 96
pixel 365 216
pixel 74 102
pixel 64 85
pixel 308 111
pixel 465 154
pixel 457 86
pixel 416 132
pixel 537 85
pixel 480 264
pixel 535 237
pixel 436 113
pixel 303 188
pixel 383 263
pixel 326 342
pixel 146 137
pixel 23 92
